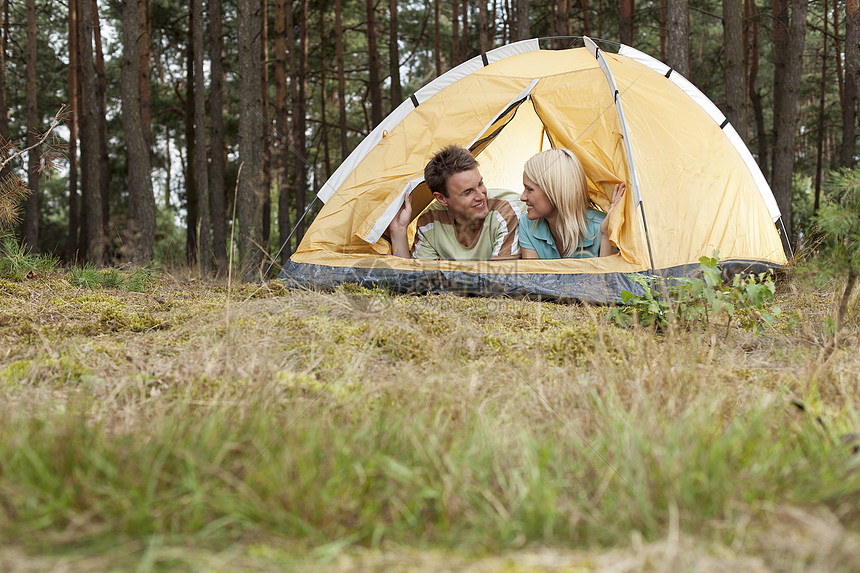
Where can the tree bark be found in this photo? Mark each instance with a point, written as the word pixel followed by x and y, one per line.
pixel 819 156
pixel 266 207
pixel 31 217
pixel 218 159
pixel 678 36
pixel 324 96
pixel 145 71
pixel 101 87
pixel 735 72
pixel 437 38
pixel 849 98
pixel 250 192
pixel 191 202
pixel 789 36
pixel 341 79
pixel 483 25
pixel 300 122
pixel 282 157
pixel 523 28
pixel 455 32
pixel 753 16
pixel 95 234
pixel 74 81
pixel 4 41
pixel 625 21
pixel 586 17
pixel 140 231
pixel 374 85
pixel 201 176
pixel 393 57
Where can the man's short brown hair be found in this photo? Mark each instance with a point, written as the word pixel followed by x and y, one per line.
pixel 447 162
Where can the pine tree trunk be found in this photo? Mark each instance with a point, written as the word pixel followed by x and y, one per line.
pixel 4 40
pixel 789 36
pixel 249 199
pixel 31 217
pixel 324 95
pixel 101 91
pixel 218 159
pixel 74 67
pixel 455 32
pixel 678 36
pixel 145 71
pixel 300 122
pixel 735 72
pixel 266 207
pixel 282 158
pixel 374 85
pixel 191 204
pixel 523 28
pixel 393 57
pixel 201 176
pixel 852 69
pixel 341 79
pixel 437 38
pixel 96 239
pixel 753 16
pixel 625 21
pixel 483 26
pixel 819 156
pixel 140 231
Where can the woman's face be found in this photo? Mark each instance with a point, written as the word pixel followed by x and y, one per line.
pixel 535 198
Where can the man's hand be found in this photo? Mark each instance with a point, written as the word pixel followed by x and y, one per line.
pixel 397 229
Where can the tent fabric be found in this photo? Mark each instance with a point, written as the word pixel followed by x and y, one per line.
pixel 701 191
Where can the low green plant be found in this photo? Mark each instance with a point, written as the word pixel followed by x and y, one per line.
pixel 88 276
pixel 690 302
pixel 16 262
pixel 838 226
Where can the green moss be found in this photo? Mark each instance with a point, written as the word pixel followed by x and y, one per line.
pixel 11 288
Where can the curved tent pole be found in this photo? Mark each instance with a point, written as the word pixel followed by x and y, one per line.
pixel 634 177
pixel 290 236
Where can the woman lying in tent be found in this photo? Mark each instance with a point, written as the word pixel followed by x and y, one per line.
pixel 559 219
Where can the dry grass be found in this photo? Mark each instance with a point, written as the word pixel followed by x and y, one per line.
pixel 196 427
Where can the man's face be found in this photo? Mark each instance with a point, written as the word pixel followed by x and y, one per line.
pixel 467 196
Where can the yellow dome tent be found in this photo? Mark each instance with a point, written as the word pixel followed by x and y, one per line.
pixel 693 187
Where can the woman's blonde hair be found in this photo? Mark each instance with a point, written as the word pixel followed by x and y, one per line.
pixel 560 174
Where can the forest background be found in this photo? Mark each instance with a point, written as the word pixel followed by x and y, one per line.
pixel 164 101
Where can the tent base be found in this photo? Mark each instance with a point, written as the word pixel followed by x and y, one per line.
pixel 605 288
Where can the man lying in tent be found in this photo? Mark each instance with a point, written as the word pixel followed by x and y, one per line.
pixel 464 223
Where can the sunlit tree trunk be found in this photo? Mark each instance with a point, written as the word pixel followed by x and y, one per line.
pixel 31 217
pixel 678 36
pixel 140 231
pixel 96 240
pixel 218 149
pixel 250 192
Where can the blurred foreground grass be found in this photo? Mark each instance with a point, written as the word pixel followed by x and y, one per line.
pixel 196 427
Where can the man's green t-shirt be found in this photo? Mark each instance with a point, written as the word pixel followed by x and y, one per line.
pixel 499 237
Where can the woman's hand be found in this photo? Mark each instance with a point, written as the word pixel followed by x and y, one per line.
pixel 617 197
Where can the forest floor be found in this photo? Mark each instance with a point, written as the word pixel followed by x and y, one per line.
pixel 197 426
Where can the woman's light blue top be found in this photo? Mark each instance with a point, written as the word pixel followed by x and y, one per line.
pixel 539 239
